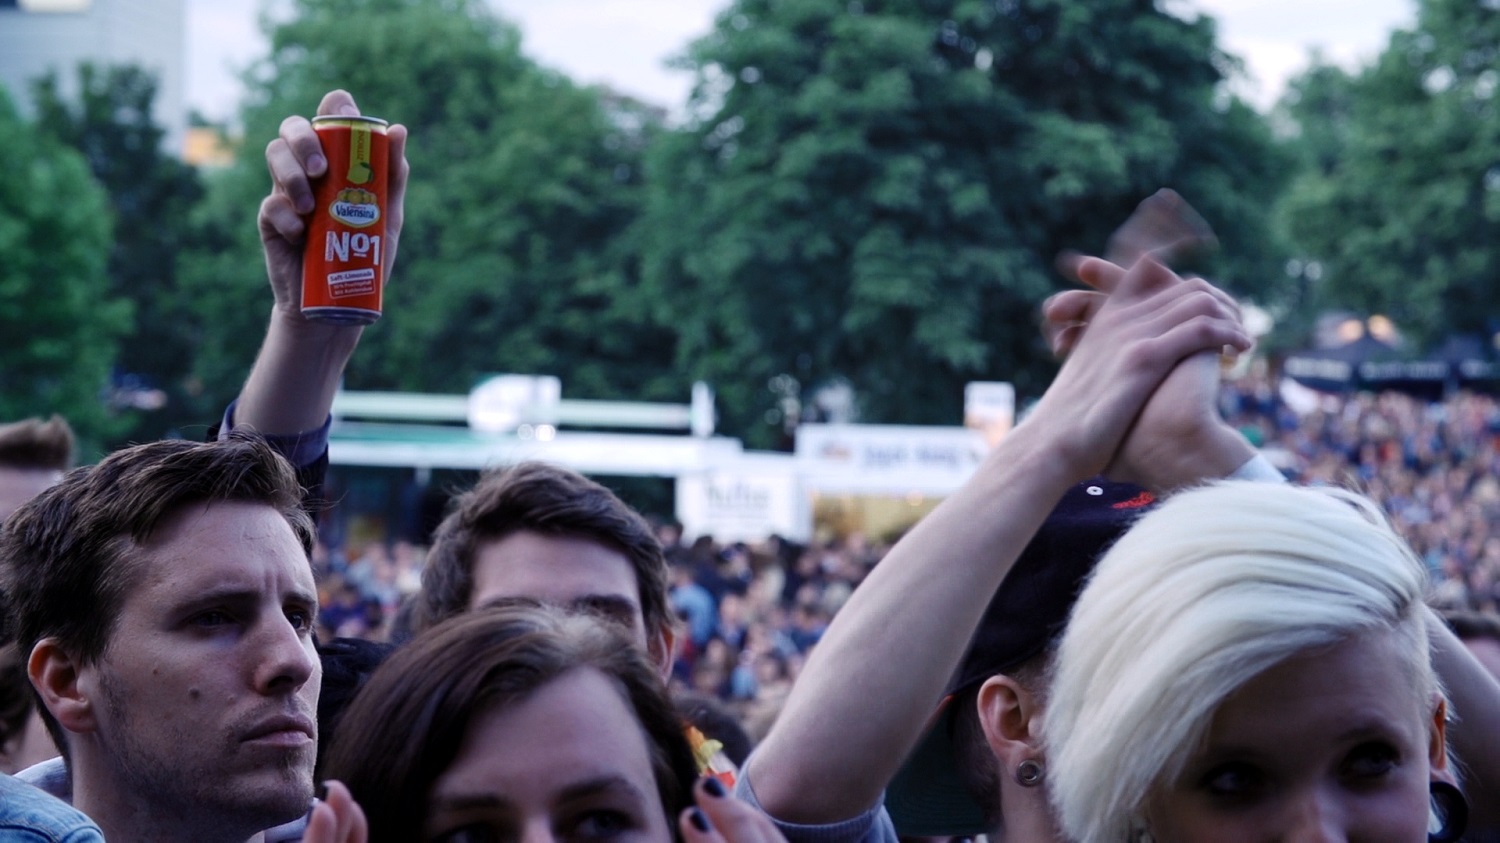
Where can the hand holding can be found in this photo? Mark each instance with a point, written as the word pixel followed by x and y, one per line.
pixel 345 253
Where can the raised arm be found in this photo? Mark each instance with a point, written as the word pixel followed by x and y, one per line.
pixel 1474 734
pixel 875 678
pixel 292 383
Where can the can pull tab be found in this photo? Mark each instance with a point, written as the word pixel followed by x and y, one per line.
pixel 360 168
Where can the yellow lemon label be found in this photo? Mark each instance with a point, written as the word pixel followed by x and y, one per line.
pixel 360 169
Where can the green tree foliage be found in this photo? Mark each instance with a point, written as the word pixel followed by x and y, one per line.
pixel 151 194
pixel 60 322
pixel 875 190
pixel 517 254
pixel 1402 207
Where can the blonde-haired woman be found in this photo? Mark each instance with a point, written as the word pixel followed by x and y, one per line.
pixel 1251 662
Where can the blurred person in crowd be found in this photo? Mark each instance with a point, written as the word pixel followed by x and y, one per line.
pixel 166 602
pixel 694 605
pixel 669 534
pixel 522 719
pixel 731 624
pixel 1480 632
pixel 540 531
pixel 1251 662
pixel 34 453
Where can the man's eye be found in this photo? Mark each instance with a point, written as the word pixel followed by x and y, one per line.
pixel 213 618
pixel 1371 760
pixel 1232 781
pixel 301 619
pixel 595 825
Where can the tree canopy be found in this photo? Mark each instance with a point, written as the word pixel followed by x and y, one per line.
pixel 875 191
pixel 151 195
pixel 516 255
pixel 1401 208
pixel 59 317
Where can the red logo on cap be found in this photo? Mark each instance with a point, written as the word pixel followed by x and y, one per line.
pixel 1143 499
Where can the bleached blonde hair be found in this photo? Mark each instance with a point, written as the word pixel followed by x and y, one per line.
pixel 1202 595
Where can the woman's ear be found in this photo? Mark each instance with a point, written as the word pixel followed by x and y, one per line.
pixel 1011 717
pixel 662 648
pixel 1437 746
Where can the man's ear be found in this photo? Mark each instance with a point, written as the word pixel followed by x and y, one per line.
pixel 56 676
pixel 1011 717
pixel 663 649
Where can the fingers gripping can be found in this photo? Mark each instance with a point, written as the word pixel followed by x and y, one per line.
pixel 344 258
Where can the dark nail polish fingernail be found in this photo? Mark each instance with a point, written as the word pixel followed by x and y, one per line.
pixel 714 787
pixel 699 821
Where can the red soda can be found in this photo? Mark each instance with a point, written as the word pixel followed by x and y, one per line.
pixel 343 260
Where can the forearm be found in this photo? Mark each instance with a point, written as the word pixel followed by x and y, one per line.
pixel 291 386
pixel 876 677
pixel 1474 734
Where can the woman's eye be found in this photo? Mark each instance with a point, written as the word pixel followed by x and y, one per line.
pixel 467 834
pixel 1371 760
pixel 1231 781
pixel 602 824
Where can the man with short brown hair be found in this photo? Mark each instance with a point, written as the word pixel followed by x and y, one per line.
pixel 165 600
pixel 543 532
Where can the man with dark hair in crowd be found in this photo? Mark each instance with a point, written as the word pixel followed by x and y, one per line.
pixel 542 532
pixel 34 453
pixel 166 600
pixel 290 389
pixel 547 533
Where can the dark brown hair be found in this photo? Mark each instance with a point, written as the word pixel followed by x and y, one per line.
pixel 549 500
pixel 37 444
pixel 1473 626
pixel 68 556
pixel 15 693
pixel 408 723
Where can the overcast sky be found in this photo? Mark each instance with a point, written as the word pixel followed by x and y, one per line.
pixel 625 42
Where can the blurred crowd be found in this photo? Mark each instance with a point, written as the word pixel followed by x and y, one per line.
pixel 1431 465
pixel 751 612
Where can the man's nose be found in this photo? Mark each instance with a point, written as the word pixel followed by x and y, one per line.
pixel 286 659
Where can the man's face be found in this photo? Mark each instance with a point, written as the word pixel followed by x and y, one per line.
pixel 570 572
pixel 209 683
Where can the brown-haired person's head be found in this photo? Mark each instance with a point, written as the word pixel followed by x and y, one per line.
pixel 543 532
pixel 33 455
pixel 164 602
pixel 512 713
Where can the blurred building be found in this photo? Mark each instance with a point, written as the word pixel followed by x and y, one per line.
pixel 37 36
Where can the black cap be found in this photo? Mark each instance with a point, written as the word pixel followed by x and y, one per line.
pixel 1028 612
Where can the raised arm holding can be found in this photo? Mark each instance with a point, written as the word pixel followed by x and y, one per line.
pixel 301 361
